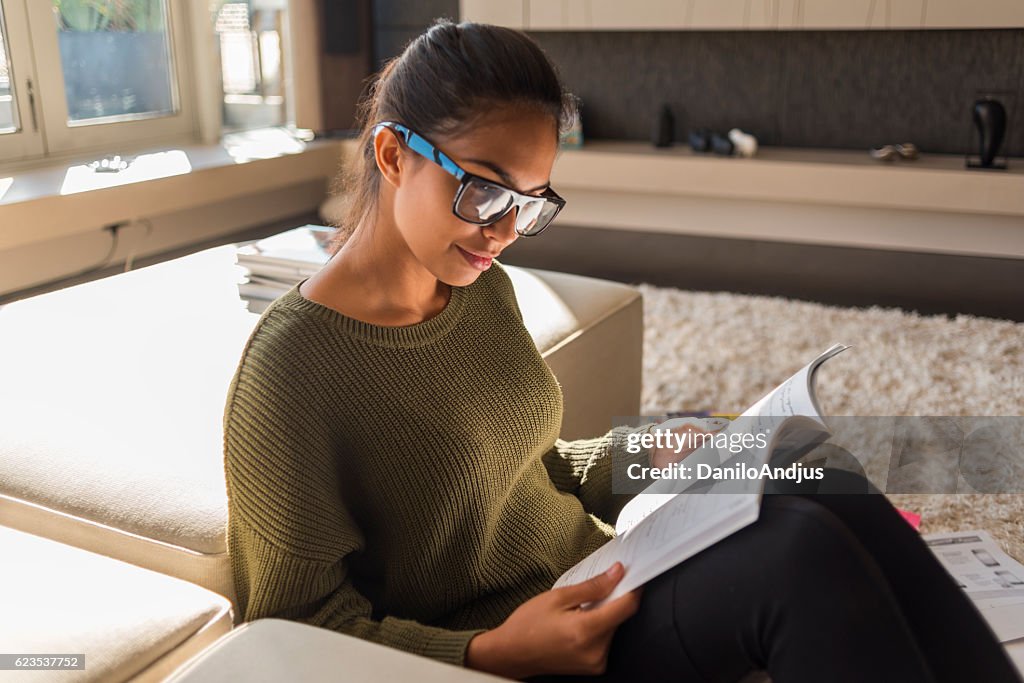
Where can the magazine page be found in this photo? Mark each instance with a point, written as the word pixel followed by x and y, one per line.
pixel 682 528
pixel 992 579
pixel 795 396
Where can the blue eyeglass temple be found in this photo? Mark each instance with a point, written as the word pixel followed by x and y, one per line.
pixel 420 145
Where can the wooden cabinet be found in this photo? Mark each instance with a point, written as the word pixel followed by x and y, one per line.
pixel 509 13
pixel 726 14
pixel 975 13
pixel 900 14
pixel 675 15
pixel 855 14
pixel 545 15
pixel 849 14
pixel 636 15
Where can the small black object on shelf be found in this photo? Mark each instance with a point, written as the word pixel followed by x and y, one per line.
pixel 721 144
pixel 664 128
pixel 990 120
pixel 700 140
pixel 989 131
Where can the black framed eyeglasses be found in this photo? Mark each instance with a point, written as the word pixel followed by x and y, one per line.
pixel 481 201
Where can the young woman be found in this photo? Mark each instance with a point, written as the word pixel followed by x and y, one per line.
pixel 394 468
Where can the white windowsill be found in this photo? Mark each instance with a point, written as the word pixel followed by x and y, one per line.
pixel 54 199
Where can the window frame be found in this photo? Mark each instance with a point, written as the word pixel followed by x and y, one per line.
pixel 27 140
pixel 113 136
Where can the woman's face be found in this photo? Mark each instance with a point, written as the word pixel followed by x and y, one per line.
pixel 511 147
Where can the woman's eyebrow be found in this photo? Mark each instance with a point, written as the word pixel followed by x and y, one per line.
pixel 505 177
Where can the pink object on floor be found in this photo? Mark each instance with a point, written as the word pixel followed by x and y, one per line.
pixel 912 518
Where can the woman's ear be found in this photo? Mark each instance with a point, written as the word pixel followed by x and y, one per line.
pixel 391 158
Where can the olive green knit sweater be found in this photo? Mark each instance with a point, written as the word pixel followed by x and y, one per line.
pixel 406 485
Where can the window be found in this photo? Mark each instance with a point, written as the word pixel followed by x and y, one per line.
pixel 105 76
pixel 110 71
pixel 116 64
pixel 20 135
pixel 8 120
pixel 249 39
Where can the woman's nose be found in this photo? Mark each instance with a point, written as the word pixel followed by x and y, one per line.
pixel 504 230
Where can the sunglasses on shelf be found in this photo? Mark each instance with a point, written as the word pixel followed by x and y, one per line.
pixel 481 201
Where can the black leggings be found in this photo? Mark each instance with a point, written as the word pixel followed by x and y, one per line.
pixel 824 586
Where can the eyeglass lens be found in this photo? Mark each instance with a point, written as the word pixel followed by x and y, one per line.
pixel 482 202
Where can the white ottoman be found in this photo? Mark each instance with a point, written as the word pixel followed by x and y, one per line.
pixel 273 650
pixel 111 410
pixel 130 623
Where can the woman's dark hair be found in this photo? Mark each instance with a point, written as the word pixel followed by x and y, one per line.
pixel 443 81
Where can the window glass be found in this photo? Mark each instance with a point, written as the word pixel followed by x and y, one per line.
pixel 249 36
pixel 8 112
pixel 116 59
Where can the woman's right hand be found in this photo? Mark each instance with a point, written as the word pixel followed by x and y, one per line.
pixel 550 634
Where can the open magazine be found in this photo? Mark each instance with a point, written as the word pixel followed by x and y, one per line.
pixel 993 580
pixel 670 521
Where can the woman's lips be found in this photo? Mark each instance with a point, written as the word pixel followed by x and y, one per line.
pixel 478 262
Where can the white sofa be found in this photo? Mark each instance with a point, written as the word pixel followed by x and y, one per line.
pixel 111 408
pixel 121 621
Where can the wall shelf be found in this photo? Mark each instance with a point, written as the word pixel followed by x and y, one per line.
pixel 814 196
pixel 933 182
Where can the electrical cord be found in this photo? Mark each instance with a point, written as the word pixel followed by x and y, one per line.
pixel 114 229
pixel 135 248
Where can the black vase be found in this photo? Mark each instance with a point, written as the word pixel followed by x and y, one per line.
pixel 664 128
pixel 990 120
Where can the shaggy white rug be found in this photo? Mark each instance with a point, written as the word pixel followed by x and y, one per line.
pixel 721 352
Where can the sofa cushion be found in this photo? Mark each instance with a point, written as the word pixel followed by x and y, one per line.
pixel 112 405
pixel 127 621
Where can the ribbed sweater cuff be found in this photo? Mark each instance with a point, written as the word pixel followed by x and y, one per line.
pixel 607 473
pixel 449 646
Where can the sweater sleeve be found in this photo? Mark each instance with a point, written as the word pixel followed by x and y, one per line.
pixel 585 467
pixel 289 531
pixel 272 582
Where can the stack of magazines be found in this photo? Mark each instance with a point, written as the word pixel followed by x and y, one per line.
pixel 273 265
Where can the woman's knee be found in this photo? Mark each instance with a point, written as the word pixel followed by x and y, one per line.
pixel 855 500
pixel 797 560
pixel 808 541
